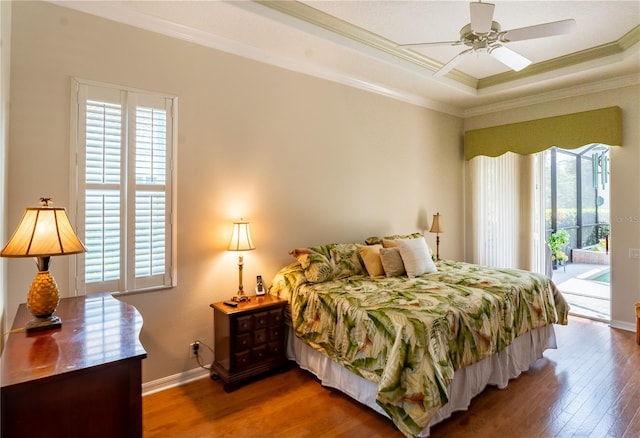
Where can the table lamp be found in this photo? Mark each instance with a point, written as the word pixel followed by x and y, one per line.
pixel 436 227
pixel 240 241
pixel 43 232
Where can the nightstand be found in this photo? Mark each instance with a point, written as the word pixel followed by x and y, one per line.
pixel 249 339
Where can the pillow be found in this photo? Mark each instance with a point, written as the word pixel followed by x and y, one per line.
pixel 370 254
pixel 390 243
pixel 286 280
pixel 346 260
pixel 378 240
pixel 415 256
pixel 393 243
pixel 315 262
pixel 392 262
pixel 329 262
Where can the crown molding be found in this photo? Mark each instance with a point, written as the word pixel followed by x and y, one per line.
pixel 594 87
pixel 112 11
pixel 335 25
pixel 620 46
pixel 630 38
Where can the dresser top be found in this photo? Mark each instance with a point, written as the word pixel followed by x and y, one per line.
pixel 96 329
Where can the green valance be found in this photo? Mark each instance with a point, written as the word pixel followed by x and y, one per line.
pixel 570 131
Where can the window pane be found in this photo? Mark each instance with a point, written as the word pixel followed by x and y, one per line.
pixel 102 235
pixel 566 189
pixel 150 233
pixel 602 186
pixel 573 240
pixel 588 194
pixel 547 190
pixel 151 145
pixel 589 236
pixel 103 142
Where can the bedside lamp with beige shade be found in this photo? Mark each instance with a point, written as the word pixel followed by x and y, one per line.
pixel 241 241
pixel 436 227
pixel 42 233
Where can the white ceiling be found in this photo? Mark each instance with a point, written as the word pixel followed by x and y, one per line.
pixel 355 43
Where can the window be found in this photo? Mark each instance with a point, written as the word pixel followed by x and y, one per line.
pixel 124 180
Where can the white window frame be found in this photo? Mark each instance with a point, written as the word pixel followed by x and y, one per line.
pixel 130 99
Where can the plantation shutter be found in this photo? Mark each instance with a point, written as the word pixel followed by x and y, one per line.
pixel 150 173
pixel 124 145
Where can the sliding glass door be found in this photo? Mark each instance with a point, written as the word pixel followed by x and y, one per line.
pixel 576 225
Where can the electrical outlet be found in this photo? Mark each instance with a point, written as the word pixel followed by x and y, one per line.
pixel 194 347
pixel 634 253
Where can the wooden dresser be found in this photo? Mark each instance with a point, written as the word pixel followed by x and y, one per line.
pixel 81 380
pixel 249 339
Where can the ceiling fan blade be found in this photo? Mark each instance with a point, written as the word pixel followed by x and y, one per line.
pixel 481 17
pixel 509 58
pixel 451 64
pixel 438 43
pixel 539 31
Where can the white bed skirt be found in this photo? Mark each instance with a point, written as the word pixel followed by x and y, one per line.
pixel 467 382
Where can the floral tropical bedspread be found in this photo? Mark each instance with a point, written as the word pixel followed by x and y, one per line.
pixel 410 335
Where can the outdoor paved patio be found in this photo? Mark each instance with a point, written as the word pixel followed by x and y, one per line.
pixel 587 297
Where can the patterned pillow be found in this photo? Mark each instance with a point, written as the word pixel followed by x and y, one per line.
pixel 286 280
pixel 378 240
pixel 329 262
pixel 346 260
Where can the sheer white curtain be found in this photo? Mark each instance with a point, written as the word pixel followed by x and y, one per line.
pixel 502 200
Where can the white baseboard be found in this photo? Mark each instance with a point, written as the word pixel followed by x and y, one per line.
pixel 623 325
pixel 174 380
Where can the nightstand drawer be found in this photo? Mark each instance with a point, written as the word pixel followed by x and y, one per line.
pixel 260 353
pixel 243 323
pixel 260 320
pixel 260 336
pixel 275 317
pixel 242 359
pixel 244 341
pixel 275 333
pixel 275 349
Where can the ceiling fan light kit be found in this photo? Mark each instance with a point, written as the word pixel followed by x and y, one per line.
pixel 485 35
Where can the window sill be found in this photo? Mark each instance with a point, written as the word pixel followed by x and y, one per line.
pixel 142 291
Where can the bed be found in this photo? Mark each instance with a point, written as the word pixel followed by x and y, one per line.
pixel 414 342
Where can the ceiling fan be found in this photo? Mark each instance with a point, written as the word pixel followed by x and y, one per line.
pixel 485 35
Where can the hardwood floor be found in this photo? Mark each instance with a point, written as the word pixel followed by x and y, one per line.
pixel 588 387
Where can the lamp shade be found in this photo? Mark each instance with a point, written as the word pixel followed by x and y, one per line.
pixel 43 232
pixel 436 225
pixel 241 237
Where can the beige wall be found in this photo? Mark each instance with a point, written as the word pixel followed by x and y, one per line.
pixel 307 161
pixel 5 70
pixel 624 188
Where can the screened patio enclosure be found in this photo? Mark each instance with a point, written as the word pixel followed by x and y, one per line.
pixel 577 197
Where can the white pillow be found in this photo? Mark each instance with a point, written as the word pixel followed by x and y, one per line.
pixel 416 257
